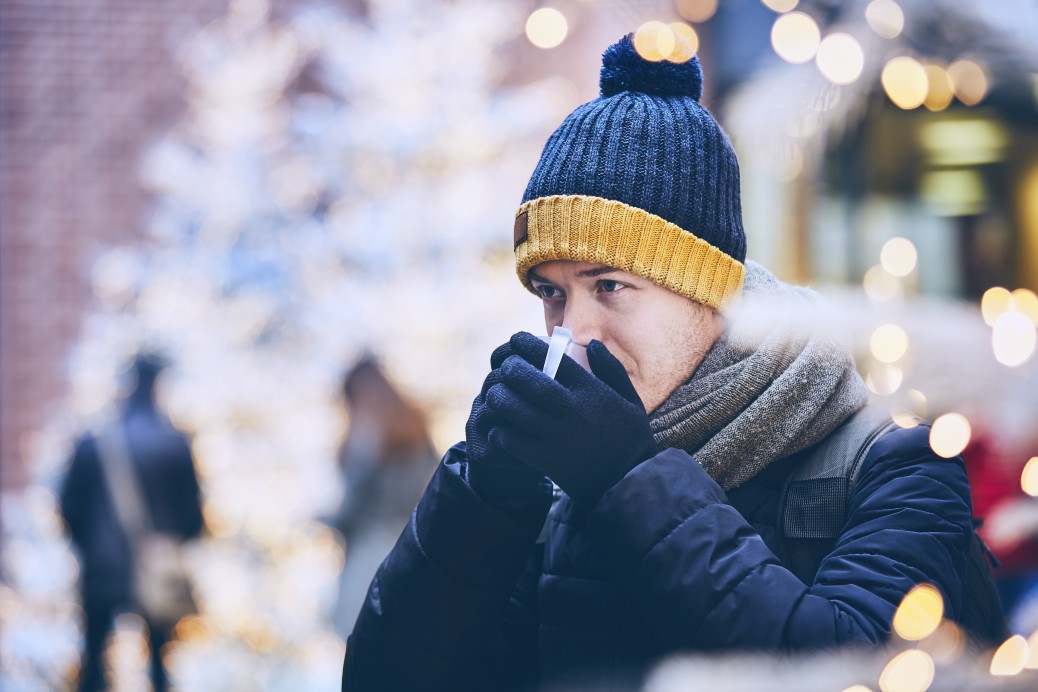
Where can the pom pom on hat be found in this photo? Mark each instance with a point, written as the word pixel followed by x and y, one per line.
pixel 624 70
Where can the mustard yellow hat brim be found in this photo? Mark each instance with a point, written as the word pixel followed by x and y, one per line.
pixel 603 231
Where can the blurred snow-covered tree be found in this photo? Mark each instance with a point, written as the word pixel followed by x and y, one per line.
pixel 340 182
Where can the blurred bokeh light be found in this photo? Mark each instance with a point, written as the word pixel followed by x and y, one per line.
pixel 780 5
pixel 950 434
pixel 840 58
pixel 885 18
pixel 1010 657
pixel 546 27
pixel 909 671
pixel 920 613
pixel 905 82
pixel 1029 477
pixel 795 37
pixel 696 10
pixel 889 343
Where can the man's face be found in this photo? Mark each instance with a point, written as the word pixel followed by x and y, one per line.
pixel 659 336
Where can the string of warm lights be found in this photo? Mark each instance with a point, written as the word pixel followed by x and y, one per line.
pixel 797 38
pixel 547 27
pixel 1013 317
pixel 909 83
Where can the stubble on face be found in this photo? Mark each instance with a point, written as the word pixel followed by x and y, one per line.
pixel 683 346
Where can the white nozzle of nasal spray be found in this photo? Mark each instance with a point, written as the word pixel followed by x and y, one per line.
pixel 561 338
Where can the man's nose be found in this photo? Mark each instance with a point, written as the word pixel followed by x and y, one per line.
pixel 581 320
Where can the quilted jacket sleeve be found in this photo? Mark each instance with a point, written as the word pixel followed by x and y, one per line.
pixel 450 607
pixel 705 579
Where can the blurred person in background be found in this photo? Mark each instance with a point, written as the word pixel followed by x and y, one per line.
pixel 131 496
pixel 385 460
pixel 670 455
pixel 1010 526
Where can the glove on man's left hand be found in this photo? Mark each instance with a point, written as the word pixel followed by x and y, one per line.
pixel 584 431
pixel 495 475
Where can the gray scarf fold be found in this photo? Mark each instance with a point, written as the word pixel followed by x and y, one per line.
pixel 778 381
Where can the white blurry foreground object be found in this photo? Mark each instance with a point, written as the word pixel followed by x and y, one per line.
pixel 942 350
pixel 950 362
pixel 1013 338
pixel 862 669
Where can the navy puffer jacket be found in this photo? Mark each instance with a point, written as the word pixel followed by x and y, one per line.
pixel 666 562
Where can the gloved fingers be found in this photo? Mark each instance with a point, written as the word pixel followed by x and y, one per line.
pixel 572 375
pixel 530 383
pixel 499 355
pixel 500 459
pixel 492 378
pixel 510 409
pixel 477 427
pixel 526 449
pixel 529 348
pixel 479 423
pixel 584 486
pixel 607 368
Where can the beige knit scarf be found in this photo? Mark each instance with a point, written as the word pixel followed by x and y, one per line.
pixel 779 380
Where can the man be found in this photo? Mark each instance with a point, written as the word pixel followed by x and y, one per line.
pixel 670 454
pixel 155 472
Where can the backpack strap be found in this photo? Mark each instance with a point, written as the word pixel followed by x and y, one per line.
pixel 116 458
pixel 982 612
pixel 813 505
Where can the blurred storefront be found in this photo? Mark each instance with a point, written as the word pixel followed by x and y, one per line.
pixel 916 120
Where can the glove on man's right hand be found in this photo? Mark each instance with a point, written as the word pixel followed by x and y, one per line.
pixel 495 475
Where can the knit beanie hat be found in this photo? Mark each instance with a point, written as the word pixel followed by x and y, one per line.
pixel 642 179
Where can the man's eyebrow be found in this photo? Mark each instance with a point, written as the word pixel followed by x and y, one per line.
pixel 598 271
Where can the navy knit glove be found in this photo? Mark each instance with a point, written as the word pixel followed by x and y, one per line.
pixel 495 475
pixel 584 431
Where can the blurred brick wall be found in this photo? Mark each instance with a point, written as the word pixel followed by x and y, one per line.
pixel 85 85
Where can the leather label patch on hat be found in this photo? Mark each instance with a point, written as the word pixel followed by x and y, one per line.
pixel 519 233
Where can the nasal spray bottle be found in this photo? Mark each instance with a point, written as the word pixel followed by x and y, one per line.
pixel 561 343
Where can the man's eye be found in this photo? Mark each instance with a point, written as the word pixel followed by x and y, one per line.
pixel 548 291
pixel 609 286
